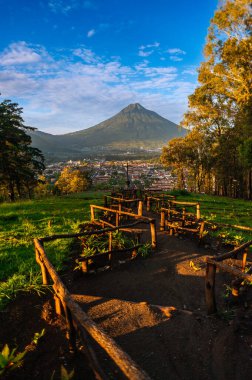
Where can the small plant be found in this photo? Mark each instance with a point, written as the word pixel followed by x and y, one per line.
pixel 120 241
pixel 38 336
pixel 9 360
pixel 64 375
pixel 227 292
pixel 145 250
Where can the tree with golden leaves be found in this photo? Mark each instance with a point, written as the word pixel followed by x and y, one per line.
pixel 221 106
pixel 72 181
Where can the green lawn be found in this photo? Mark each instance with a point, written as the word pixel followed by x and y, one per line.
pixel 21 221
pixel 224 210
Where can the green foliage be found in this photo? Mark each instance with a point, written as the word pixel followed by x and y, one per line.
pixel 145 250
pixel 65 375
pixel 22 221
pixel 20 164
pixel 216 154
pixel 38 336
pixel 9 360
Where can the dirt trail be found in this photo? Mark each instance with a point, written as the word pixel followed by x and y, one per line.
pixel 180 344
pixel 186 345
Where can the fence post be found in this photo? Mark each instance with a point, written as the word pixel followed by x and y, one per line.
pixel 162 221
pixel 117 219
pixel 43 268
pixel 105 201
pixel 210 288
pixel 92 213
pixel 153 233
pixel 198 211
pixel 140 208
pixel 110 241
pixel 148 203
pixel 70 327
pixel 244 258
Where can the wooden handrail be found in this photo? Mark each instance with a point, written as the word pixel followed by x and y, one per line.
pixel 130 369
pixel 232 253
pixel 81 259
pixel 88 233
pixel 136 216
pixel 118 213
pixel 217 262
pixel 227 268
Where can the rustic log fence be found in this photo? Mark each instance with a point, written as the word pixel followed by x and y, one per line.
pixel 77 321
pixel 217 262
pixel 118 215
pixel 122 203
pixel 158 201
pixel 177 221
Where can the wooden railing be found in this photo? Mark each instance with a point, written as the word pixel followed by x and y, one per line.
pixel 118 214
pixel 159 200
pixel 78 322
pixel 186 204
pixel 217 262
pixel 122 202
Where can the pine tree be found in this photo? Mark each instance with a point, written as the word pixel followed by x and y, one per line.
pixel 20 164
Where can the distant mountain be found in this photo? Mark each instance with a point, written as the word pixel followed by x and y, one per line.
pixel 134 127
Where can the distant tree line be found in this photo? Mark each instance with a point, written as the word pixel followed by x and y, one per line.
pixel 216 155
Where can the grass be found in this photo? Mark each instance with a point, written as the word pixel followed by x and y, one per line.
pixel 21 222
pixel 224 210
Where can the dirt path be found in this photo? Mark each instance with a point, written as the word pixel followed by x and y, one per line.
pixel 185 345
pixel 179 344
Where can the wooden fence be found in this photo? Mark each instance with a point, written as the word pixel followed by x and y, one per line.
pixel 121 202
pixel 118 214
pixel 77 321
pixel 158 200
pixel 218 262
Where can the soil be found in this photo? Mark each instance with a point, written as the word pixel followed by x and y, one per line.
pixel 155 310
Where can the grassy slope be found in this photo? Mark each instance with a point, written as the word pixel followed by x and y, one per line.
pixel 227 211
pixel 20 222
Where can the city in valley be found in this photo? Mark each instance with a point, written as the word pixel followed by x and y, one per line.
pixel 106 174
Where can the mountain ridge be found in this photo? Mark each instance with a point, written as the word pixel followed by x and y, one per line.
pixel 134 127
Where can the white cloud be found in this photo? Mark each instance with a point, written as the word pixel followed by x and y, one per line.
pixel 90 33
pixel 144 51
pixel 79 89
pixel 19 53
pixel 176 51
pixel 176 54
pixel 65 7
pixel 190 71
pixel 86 54
pixel 175 58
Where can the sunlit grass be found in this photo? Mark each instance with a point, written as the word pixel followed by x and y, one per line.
pixel 21 222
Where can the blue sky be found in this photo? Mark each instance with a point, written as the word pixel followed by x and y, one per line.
pixel 72 64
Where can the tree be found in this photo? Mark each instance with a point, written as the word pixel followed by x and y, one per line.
pixel 72 181
pixel 174 156
pixel 20 164
pixel 221 106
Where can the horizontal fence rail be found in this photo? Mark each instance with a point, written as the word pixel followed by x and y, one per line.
pixel 118 214
pixel 78 320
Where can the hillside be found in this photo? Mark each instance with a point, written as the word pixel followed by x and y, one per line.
pixel 134 127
